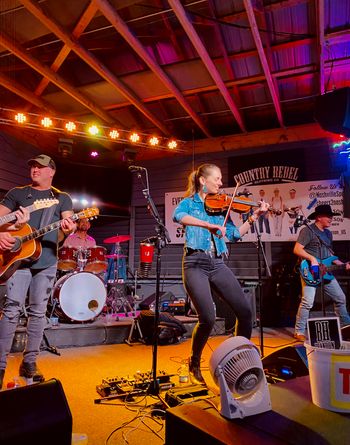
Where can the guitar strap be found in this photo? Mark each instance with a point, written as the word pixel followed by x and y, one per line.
pixel 47 214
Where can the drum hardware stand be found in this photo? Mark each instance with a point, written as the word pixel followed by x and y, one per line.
pixel 161 240
pixel 135 326
pixel 48 347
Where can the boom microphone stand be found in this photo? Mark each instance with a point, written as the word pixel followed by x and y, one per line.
pixel 161 239
pixel 261 252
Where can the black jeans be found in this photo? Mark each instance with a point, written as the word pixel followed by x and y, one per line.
pixel 201 274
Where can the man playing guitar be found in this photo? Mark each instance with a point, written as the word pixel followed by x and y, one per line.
pixel 36 276
pixel 314 244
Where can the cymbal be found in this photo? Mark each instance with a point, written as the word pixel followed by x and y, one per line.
pixel 115 256
pixel 117 239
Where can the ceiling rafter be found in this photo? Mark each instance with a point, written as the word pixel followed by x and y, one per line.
pixel 270 81
pixel 319 4
pixel 29 96
pixel 92 61
pixel 112 16
pixel 83 22
pixel 203 54
pixel 223 49
pixel 14 47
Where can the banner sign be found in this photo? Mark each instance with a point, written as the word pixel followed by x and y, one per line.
pixel 267 168
pixel 287 202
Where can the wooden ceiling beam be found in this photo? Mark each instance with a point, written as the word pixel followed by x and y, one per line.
pixel 92 61
pixel 29 96
pixel 203 54
pixel 20 52
pixel 257 139
pixel 319 5
pixel 265 66
pixel 114 18
pixel 83 22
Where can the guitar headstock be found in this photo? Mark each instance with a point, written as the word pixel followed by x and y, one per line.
pixel 89 213
pixel 44 203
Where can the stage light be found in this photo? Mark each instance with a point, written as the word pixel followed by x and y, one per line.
pixel 114 134
pixel 154 141
pixel 172 144
pixel 84 202
pixel 93 130
pixel 46 122
pixel 134 137
pixel 94 154
pixel 20 118
pixel 70 126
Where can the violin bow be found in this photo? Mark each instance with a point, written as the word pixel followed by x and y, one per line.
pixel 229 207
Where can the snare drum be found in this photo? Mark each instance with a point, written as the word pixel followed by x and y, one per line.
pixel 79 296
pixel 96 260
pixel 67 259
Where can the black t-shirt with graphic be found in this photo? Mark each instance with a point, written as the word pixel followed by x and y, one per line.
pixel 25 196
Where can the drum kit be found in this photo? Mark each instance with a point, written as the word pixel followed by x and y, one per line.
pixel 80 294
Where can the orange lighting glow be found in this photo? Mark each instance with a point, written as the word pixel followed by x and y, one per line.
pixel 20 118
pixel 46 122
pixel 154 141
pixel 172 144
pixel 70 126
pixel 113 134
pixel 134 137
pixel 93 130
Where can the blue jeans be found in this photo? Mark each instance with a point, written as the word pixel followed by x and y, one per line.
pixel 332 290
pixel 39 283
pixel 201 274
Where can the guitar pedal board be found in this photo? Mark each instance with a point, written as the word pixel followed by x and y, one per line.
pixel 130 386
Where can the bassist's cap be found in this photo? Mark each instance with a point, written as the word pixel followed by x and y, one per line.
pixel 323 209
pixel 43 160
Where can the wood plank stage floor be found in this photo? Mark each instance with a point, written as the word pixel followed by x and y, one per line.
pixel 81 368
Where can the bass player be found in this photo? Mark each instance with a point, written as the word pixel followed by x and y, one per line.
pixel 314 244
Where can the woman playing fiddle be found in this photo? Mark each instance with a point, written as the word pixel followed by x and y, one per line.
pixel 203 263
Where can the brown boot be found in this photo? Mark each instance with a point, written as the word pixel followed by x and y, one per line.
pixel 195 371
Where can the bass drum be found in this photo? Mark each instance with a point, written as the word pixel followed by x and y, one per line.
pixel 79 296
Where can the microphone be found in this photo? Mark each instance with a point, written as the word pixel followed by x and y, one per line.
pixel 135 168
pixel 300 221
pixel 146 258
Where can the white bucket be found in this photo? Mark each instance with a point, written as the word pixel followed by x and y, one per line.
pixel 329 371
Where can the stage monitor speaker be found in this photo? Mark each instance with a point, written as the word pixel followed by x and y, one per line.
pixel 163 296
pixel 37 414
pixel 332 111
pixel 286 363
pixel 345 333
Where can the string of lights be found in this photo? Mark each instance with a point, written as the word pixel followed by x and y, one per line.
pixel 88 130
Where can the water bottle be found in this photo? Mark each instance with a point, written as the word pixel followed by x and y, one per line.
pixel 183 373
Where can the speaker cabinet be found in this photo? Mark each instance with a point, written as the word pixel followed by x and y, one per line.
pixel 163 296
pixel 286 363
pixel 35 414
pixel 332 111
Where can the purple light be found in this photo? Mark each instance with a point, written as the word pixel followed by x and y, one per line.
pixel 94 154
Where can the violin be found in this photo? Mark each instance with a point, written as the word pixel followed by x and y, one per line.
pixel 219 203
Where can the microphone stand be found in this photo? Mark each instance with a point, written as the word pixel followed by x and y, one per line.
pixel 161 240
pixel 261 252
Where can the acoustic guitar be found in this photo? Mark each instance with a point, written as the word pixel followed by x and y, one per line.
pixel 326 266
pixel 27 247
pixel 37 205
